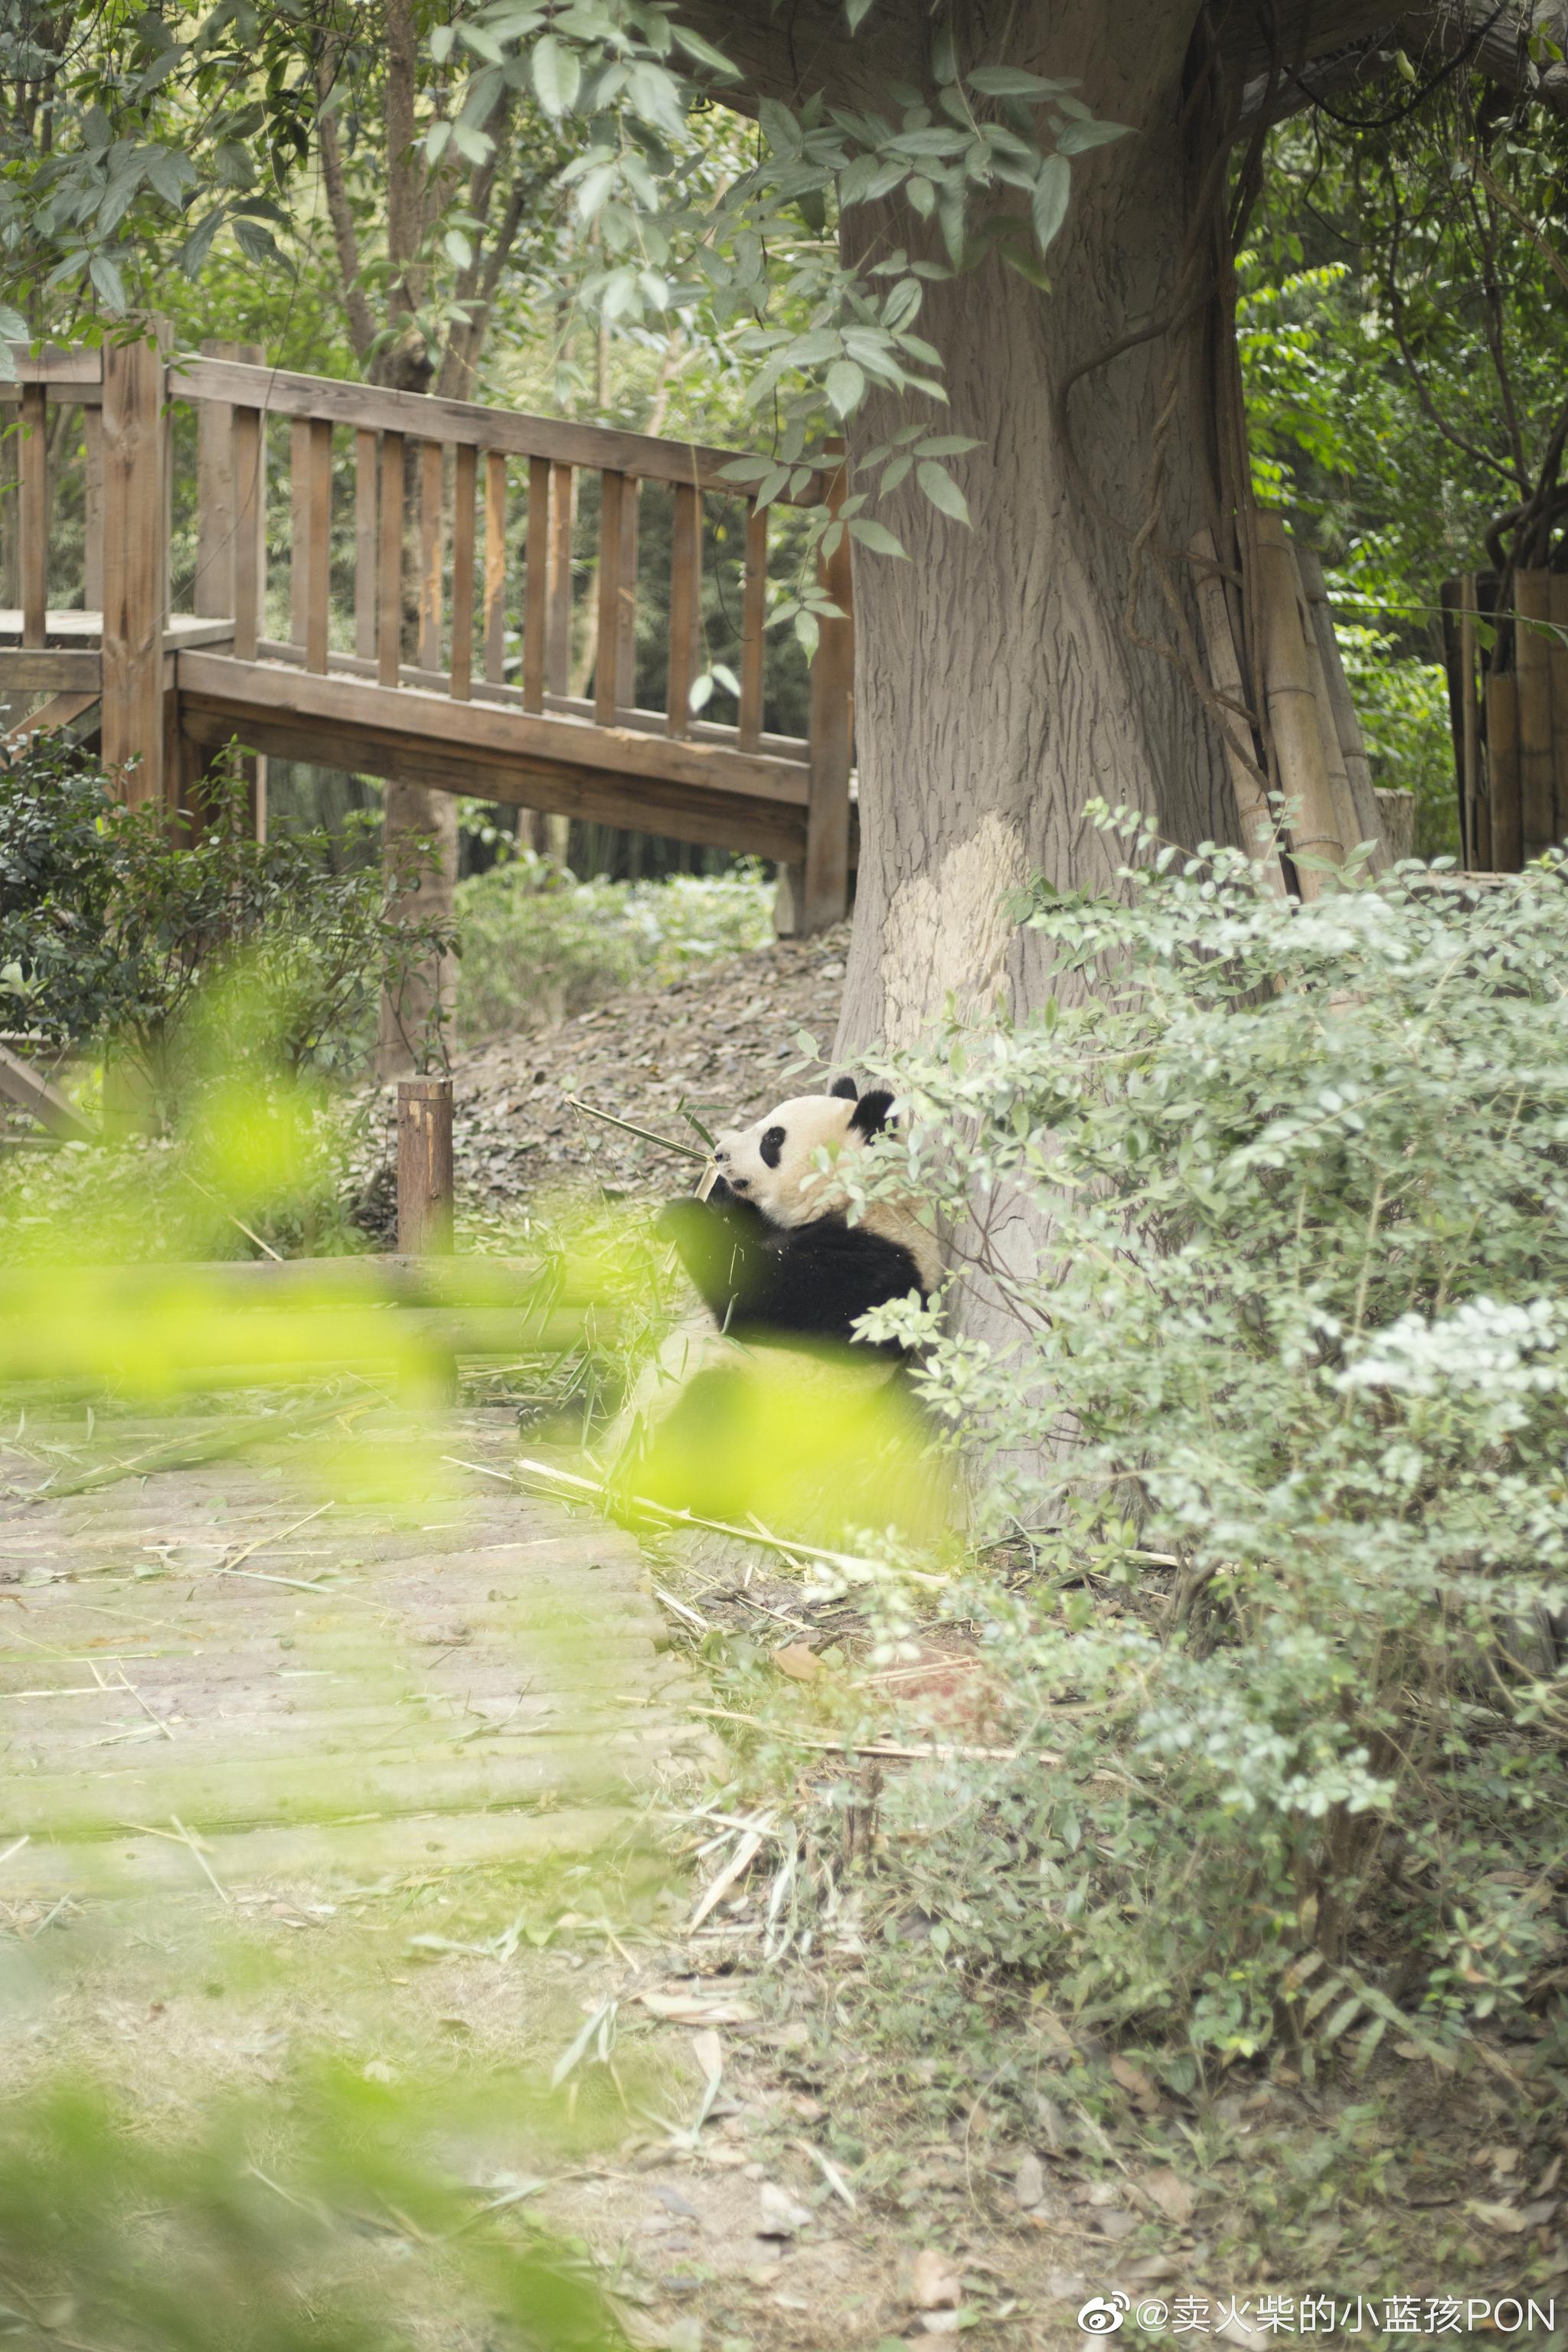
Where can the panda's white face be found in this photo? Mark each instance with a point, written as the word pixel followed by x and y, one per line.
pixel 773 1163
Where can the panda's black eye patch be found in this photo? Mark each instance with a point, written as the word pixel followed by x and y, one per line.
pixel 772 1146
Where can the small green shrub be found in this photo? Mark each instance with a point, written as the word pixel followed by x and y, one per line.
pixel 1403 707
pixel 1278 1395
pixel 537 944
pixel 180 956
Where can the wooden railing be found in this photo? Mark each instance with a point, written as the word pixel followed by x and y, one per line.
pixel 449 660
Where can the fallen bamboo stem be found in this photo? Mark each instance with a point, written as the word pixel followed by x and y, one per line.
pixel 665 1142
pixel 940 1752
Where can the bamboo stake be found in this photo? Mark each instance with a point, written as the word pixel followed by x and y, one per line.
pixel 1503 770
pixel 1474 807
pixel 1557 607
pixel 1340 712
pixel 1351 823
pixel 1292 709
pixel 1532 672
pixel 1260 833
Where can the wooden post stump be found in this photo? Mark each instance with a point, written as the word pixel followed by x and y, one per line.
pixel 424 1166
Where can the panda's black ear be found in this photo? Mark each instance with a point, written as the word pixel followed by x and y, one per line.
pixel 846 1089
pixel 870 1113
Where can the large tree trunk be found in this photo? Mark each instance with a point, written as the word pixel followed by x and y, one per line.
pixel 998 686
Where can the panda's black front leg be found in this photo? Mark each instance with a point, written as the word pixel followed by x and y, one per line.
pixel 722 1244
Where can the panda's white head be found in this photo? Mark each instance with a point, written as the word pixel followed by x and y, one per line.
pixel 773 1163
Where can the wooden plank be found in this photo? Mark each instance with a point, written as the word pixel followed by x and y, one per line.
pixel 626 651
pixel 1533 673
pixel 1502 772
pixel 52 669
pixel 1475 817
pixel 92 508
pixel 536 585
pixel 824 885
pixel 389 597
pixel 249 531
pixel 21 1083
pixel 54 365
pixel 1259 836
pixel 562 532
pixel 1293 711
pixel 283 392
pixel 61 711
pixel 424 1166
pixel 608 650
pixel 464 468
pixel 132 672
pixel 430 482
pixel 754 622
pixel 1557 611
pixel 600 794
pixel 212 591
pixel 319 546
pixel 485 726
pixel 495 567
pixel 33 513
pixel 365 455
pixel 298 524
pixel 685 606
pixel 1341 707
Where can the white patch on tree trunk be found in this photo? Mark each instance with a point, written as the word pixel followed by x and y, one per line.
pixel 946 931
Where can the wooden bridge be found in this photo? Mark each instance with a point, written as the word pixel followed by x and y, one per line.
pixel 457 663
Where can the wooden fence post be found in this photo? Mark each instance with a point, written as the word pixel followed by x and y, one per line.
pixel 424 1166
pixel 133 568
pixel 221 536
pixel 823 896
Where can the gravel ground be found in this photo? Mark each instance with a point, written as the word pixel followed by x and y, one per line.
pixel 720 1043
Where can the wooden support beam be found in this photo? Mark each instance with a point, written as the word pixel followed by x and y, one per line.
pixel 431 470
pixel 465 463
pixel 317 580
pixel 49 669
pixel 824 885
pixel 389 597
pixel 626 651
pixel 299 523
pixel 754 622
pixel 563 530
pixel 33 515
pixel 495 567
pixel 250 583
pixel 32 1092
pixel 608 650
pixel 365 544
pixel 212 589
pixel 424 1166
pixel 92 508
pixel 134 569
pixel 536 585
pixel 685 606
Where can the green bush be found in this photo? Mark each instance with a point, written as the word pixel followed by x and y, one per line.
pixel 1277 1395
pixel 180 956
pixel 1403 707
pixel 537 944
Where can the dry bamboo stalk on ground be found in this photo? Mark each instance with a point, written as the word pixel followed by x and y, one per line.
pixel 1257 827
pixel 1293 711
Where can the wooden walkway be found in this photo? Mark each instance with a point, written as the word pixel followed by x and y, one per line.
pixel 225 1671
pixel 455 605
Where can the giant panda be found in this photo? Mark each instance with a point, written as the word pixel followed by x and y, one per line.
pixel 766 1405
pixel 771 1248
